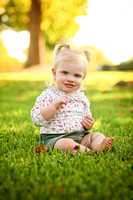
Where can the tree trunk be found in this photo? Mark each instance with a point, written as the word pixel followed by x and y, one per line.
pixel 35 54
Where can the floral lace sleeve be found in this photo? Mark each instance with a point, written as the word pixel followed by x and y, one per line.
pixel 36 116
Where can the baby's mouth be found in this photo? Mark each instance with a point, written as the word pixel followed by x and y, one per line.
pixel 69 85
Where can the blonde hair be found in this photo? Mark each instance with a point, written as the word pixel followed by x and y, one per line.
pixel 63 52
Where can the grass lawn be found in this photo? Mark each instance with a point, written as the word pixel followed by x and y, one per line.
pixel 56 176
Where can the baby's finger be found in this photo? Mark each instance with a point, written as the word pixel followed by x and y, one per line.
pixel 84 125
pixel 64 101
pixel 64 98
pixel 88 121
pixel 89 117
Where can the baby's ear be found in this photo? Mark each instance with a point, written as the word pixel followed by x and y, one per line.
pixel 88 54
pixel 54 72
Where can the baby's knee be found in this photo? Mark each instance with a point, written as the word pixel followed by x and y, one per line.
pixel 69 143
pixel 97 134
pixel 65 144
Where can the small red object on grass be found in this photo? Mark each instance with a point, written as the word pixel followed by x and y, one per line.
pixel 40 149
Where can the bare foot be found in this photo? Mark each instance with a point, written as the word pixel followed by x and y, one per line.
pixel 106 144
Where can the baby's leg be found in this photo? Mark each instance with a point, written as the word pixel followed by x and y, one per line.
pixel 105 144
pixel 97 141
pixel 67 143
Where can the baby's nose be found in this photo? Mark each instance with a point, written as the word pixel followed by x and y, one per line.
pixel 70 78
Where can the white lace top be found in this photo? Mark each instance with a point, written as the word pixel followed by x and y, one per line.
pixel 68 118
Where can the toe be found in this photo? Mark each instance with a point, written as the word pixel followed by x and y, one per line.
pixel 112 138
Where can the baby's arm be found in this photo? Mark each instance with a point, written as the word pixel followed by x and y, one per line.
pixel 43 110
pixel 48 112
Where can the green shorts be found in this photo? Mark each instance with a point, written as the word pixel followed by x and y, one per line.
pixel 49 140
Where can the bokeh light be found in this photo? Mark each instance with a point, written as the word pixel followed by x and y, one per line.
pixel 108 27
pixel 16 43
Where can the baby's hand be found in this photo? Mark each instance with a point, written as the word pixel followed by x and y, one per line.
pixel 88 122
pixel 59 101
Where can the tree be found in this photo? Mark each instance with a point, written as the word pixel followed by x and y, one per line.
pixel 35 49
pixel 125 66
pixel 45 19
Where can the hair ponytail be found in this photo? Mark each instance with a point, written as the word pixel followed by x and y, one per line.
pixel 87 54
pixel 63 52
pixel 58 48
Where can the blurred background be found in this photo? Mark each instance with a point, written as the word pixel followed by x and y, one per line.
pixel 29 30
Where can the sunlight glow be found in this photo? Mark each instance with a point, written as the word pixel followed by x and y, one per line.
pixel 108 27
pixel 16 43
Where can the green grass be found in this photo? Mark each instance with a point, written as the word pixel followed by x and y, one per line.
pixel 56 176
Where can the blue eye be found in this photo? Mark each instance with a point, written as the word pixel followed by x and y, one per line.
pixel 77 75
pixel 65 72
